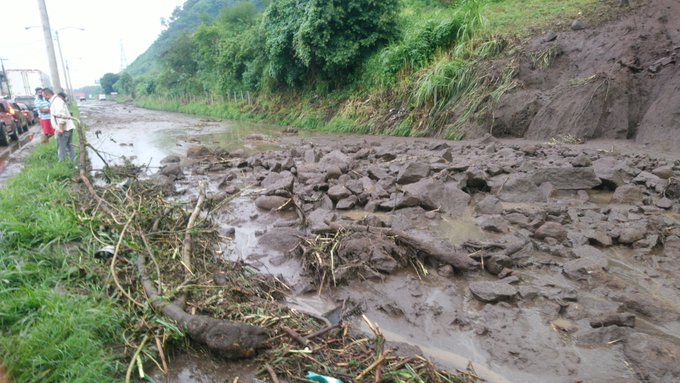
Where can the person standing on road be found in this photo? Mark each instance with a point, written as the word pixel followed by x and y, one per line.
pixel 63 124
pixel 43 106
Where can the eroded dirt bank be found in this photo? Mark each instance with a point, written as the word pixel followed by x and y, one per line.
pixel 536 262
pixel 617 80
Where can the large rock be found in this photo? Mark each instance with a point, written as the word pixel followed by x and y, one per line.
pixel 582 268
pixel 377 173
pixel 567 178
pixel 278 182
pixel 611 172
pixel 198 151
pixel 651 181
pixel 170 159
pixel 413 172
pixel 491 292
pixel 335 158
pixel 654 359
pixel 399 201
pixel 627 194
pixel 519 188
pixel 435 194
pixel 319 219
pixel 664 172
pixel 338 192
pixel 172 170
pixel 269 202
pixel 551 229
pixel 632 233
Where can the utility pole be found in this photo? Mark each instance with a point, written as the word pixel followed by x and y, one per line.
pixel 4 76
pixel 47 32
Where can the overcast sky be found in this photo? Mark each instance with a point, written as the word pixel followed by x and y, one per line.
pixel 90 53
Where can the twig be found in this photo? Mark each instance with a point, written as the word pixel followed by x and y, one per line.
pixel 159 346
pixel 272 373
pixel 153 259
pixel 372 366
pixel 323 331
pixel 106 164
pixel 186 243
pixel 293 334
pixel 128 374
pixel 500 189
pixel 113 262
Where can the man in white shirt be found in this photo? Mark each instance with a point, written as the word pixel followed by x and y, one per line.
pixel 63 125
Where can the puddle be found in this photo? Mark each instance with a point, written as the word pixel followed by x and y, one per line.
pixel 147 140
pixel 191 368
pixel 460 229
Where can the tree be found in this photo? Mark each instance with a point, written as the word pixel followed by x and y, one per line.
pixel 330 38
pixel 107 82
pixel 125 85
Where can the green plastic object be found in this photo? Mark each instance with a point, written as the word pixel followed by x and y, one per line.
pixel 321 378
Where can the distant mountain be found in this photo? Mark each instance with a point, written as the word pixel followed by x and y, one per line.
pixel 182 21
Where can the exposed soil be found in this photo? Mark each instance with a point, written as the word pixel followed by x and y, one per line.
pixel 618 80
pixel 535 262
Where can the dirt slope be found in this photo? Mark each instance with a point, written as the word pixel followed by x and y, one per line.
pixel 618 80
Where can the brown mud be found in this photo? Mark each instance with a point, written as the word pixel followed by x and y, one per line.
pixel 618 80
pixel 572 250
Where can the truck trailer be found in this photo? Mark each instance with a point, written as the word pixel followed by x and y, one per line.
pixel 22 83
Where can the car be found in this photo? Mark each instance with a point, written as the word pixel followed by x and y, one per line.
pixel 102 97
pixel 19 117
pixel 30 116
pixel 9 129
pixel 82 98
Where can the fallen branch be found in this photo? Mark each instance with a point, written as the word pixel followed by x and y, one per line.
pixel 231 339
pixel 271 372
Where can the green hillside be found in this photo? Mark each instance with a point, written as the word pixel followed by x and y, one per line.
pixel 400 67
pixel 184 20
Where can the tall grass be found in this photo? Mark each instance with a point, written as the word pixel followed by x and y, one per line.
pixel 56 325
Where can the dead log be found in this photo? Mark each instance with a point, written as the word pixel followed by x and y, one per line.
pixel 441 251
pixel 230 339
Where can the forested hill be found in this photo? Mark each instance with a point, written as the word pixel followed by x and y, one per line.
pixel 184 20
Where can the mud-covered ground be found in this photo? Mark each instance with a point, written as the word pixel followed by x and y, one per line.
pixel 615 80
pixel 537 262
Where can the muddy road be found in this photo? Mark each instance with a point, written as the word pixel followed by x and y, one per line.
pixel 535 262
pixel 12 156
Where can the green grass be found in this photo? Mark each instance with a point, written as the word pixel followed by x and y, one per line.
pixel 56 325
pixel 525 17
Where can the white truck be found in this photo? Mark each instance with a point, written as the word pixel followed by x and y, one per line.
pixel 22 83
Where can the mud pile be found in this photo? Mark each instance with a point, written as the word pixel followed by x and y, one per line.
pixel 537 262
pixel 618 80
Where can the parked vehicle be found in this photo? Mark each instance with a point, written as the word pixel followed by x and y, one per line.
pixel 9 129
pixel 102 97
pixel 28 112
pixel 22 119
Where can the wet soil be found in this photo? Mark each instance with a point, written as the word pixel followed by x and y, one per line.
pixel 616 80
pixel 573 249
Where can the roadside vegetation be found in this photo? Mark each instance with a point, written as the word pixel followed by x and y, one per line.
pixel 56 323
pixel 398 67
